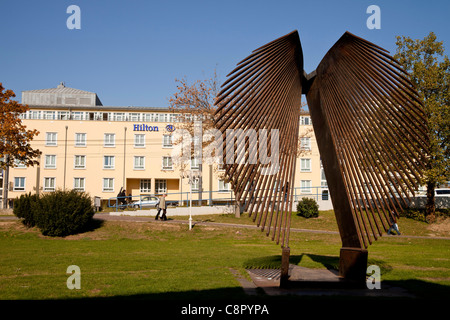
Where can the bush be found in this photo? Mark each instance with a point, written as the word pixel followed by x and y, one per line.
pixel 57 214
pixel 415 214
pixel 308 208
pixel 62 213
pixel 23 209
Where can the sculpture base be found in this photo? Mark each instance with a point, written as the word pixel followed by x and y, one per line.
pixel 284 276
pixel 353 264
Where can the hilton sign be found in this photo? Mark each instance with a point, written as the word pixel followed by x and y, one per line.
pixel 145 127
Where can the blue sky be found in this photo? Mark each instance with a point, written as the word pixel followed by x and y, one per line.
pixel 130 52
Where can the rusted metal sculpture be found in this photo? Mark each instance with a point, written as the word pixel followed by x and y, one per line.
pixel 369 124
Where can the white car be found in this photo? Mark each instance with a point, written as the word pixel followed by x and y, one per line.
pixel 146 201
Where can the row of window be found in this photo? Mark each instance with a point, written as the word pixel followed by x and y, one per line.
pixel 117 116
pixel 108 162
pixel 109 140
pixel 100 116
pixel 79 183
pixel 139 163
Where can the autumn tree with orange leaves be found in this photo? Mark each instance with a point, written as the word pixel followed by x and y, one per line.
pixel 14 138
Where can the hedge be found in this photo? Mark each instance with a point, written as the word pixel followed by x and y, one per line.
pixel 58 213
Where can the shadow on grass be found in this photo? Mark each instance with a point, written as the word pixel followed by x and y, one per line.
pixel 328 262
pixel 92 225
pixel 274 262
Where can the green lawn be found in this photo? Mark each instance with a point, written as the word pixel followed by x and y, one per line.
pixel 167 261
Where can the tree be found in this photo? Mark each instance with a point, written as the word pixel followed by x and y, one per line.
pixel 14 138
pixel 429 71
pixel 194 104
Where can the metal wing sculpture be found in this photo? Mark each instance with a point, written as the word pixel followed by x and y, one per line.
pixel 368 120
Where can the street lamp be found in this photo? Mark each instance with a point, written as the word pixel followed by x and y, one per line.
pixel 192 176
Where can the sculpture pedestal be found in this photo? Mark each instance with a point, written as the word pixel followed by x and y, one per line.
pixel 353 264
pixel 284 276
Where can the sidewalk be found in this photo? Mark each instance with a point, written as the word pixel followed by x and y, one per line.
pixel 179 211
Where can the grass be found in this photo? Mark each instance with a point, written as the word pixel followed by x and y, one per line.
pixel 162 261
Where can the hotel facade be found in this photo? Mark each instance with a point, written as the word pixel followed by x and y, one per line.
pixel 103 149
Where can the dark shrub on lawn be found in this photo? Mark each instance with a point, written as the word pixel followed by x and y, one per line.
pixel 61 213
pixel 308 208
pixel 23 209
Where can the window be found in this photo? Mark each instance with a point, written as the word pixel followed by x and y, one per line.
pixel 139 163
pixel 19 184
pixel 134 116
pixel 167 141
pixel 323 179
pixel 108 184
pixel 49 184
pixel 305 120
pixel 110 140
pixel 305 143
pixel 19 164
pixel 80 139
pixel 78 184
pixel 77 115
pixel 108 162
pixel 146 117
pixel 146 185
pixel 305 165
pixel 80 162
pixel 139 140
pixel 195 163
pixel 195 184
pixel 163 117
pixel 49 115
pixel 167 163
pixel 35 114
pixel 50 161
pixel 118 116
pixel 160 186
pixel 305 186
pixel 223 186
pixel 63 115
pixel 154 117
pixel 51 139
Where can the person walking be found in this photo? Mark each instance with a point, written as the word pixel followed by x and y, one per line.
pixel 162 206
pixel 393 226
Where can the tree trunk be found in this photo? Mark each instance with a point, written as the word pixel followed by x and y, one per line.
pixel 5 186
pixel 430 207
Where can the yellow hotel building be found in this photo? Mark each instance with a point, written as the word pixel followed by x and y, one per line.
pixel 101 149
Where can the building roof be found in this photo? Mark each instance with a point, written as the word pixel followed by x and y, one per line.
pixel 61 95
pixel 61 88
pixel 102 108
